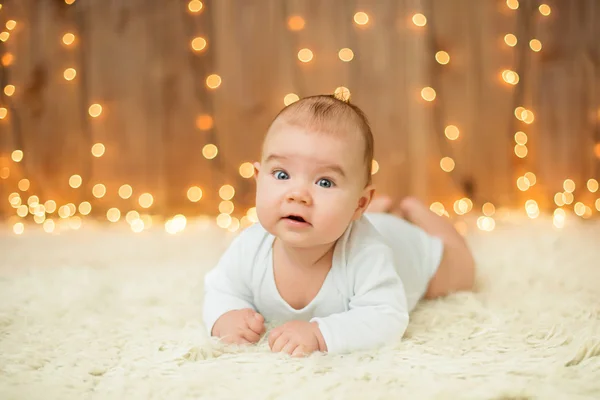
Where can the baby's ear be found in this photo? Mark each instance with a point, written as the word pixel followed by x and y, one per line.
pixel 364 201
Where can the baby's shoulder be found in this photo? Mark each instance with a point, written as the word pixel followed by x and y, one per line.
pixel 361 239
pixel 251 242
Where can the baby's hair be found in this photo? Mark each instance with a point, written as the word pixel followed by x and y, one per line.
pixel 328 114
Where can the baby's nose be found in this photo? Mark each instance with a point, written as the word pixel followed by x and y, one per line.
pixel 300 195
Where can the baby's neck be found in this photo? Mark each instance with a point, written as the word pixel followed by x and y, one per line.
pixel 306 257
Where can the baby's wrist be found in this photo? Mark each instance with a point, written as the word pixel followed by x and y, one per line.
pixel 319 336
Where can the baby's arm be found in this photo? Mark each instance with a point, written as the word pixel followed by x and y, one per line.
pixel 228 309
pixel 378 312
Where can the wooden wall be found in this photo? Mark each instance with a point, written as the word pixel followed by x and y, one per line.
pixel 134 58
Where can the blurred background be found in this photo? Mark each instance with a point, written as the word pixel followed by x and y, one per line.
pixel 153 110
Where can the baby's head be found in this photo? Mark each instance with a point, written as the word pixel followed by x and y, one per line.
pixel 315 167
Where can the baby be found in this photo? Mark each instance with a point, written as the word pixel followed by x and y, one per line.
pixel 334 277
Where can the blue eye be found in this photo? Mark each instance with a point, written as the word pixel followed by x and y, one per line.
pixel 325 183
pixel 279 174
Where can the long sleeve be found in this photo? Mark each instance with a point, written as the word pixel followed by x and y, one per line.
pixel 226 286
pixel 377 311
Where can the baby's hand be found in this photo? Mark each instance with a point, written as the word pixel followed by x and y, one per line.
pixel 239 326
pixel 297 338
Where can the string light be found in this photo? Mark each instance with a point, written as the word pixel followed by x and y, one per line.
pixel 290 98
pixel 22 211
pixel 198 44
pixel 234 225
pixel 7 59
pixel 419 19
pixel 535 45
pixel 486 224
pixel 374 167
pixel 19 228
pixel 75 223
pixel 437 208
pixel 145 200
pixel 69 1
pixel 33 200
pixel 48 226
pixel 569 185
pixel 113 214
pixel 296 23
pixel 176 224
pixel 452 132
pixel 224 220
pixel 442 57
pixel 23 185
pixel 342 93
pixel 50 206
pixel 305 55
pixel 521 138
pixel 204 122
pixel 428 94
pixel 361 18
pixel 194 194
pixel 213 81
pixel 246 170
pixel 592 185
pixel 597 204
pixel 522 184
pixel 9 90
pixel 544 9
pixel 75 181
pixel 521 151
pixel 10 24
pixel 99 190
pixel 597 150
pixel 125 191
pixel 4 36
pixel 531 178
pixel 195 6
pixel 95 110
pixel 210 151
pixel 4 173
pixel 346 54
pixel 137 226
pixel 98 150
pixel 3 112
pixel 510 77
pixel 226 192
pixel 569 198
pixel 70 74
pixel 132 216
pixel 488 209
pixel 512 4
pixel 68 39
pixel 532 209
pixel 447 164
pixel 226 207
pixel 17 155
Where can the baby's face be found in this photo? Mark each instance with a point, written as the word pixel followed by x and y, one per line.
pixel 310 186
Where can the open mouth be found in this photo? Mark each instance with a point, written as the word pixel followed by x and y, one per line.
pixel 296 218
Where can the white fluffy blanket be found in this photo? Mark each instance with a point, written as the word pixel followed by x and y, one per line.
pixel 103 313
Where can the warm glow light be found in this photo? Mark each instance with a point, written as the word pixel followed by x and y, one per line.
pixel 49 226
pixel 521 138
pixel 226 192
pixel 64 212
pixel 559 199
pixel 132 216
pixel 198 44
pixel 296 23
pixel 17 155
pixel 95 110
pixel 98 150
pixel 361 18
pixel 50 206
pixel 530 176
pixel 210 151
pixel 569 185
pixel 527 116
pixel 226 207
pixel 437 208
pixel 521 151
pixel 145 200
pixel 234 225
pixel 535 45
pixel 10 24
pixel 213 81
pixel 68 39
pixel 545 9
pixel 74 223
pixel 579 208
pixel 9 90
pixel 23 185
pixel 33 200
pixel 592 185
pixel 532 209
pixel 70 74
pixel 194 194
pixel 447 164
pixel 568 197
pixel 204 122
pixel 137 226
pixel 7 59
pixel 113 214
pixel 419 20
pixel 342 93
pixel 597 204
pixel 224 220
pixel 510 77
pixel 442 57
pixel 4 36
pixel 22 211
pixel 518 112
pixel 488 209
pixel 246 170
pixel 195 6
pixel 85 208
pixel 252 214
pixel 290 98
pixel 512 4
pixel 510 39
pixel 522 183
pixel 452 132
pixel 597 150
pixel 374 167
pixel 428 94
pixel 176 224
pixel 18 228
pixel 346 54
pixel 305 55
pixel 99 190
pixel 125 191
pixel 14 199
pixel 4 173
pixel 486 224
pixel 75 181
pixel 69 1
pixel 3 112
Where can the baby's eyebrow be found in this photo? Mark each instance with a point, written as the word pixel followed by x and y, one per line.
pixel 275 157
pixel 335 168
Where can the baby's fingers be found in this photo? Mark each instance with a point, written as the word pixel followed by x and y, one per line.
pixel 256 322
pixel 299 351
pixel 250 336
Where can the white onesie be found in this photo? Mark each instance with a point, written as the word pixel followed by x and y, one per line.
pixel 380 270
